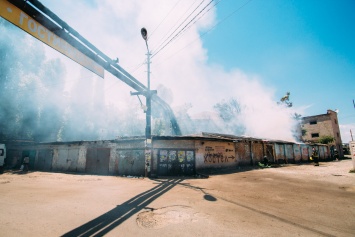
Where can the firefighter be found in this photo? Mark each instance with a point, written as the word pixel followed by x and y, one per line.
pixel 315 157
pixel 336 154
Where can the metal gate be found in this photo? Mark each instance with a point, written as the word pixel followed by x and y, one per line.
pixel 280 153
pixel 289 154
pixel 67 160
pixel 97 160
pixel 73 157
pixel 176 162
pixel 305 152
pixel 270 152
pixel 44 162
pixel 130 162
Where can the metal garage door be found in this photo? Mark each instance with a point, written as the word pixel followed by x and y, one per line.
pixel 131 162
pixel 176 162
pixel 270 152
pixel 67 159
pixel 44 162
pixel 97 160
pixel 73 157
pixel 280 153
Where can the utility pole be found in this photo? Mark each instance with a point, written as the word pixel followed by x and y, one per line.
pixel 147 109
pixel 351 133
pixel 149 93
pixel 148 129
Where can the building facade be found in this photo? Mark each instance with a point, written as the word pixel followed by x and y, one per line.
pixel 168 155
pixel 318 126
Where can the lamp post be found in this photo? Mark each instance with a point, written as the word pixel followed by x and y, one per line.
pixel 148 128
pixel 148 96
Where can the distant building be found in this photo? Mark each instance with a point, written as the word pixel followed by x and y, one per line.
pixel 346 149
pixel 321 125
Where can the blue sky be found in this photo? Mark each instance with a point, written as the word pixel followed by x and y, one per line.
pixel 254 51
pixel 305 47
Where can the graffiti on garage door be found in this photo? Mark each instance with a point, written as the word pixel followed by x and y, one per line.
pixel 176 162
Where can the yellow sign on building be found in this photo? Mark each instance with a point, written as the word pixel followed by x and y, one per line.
pixel 17 17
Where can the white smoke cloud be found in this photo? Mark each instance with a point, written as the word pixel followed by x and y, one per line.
pixel 181 67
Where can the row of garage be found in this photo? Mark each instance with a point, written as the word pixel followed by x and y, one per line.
pixel 173 155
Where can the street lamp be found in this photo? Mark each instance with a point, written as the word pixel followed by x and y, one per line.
pixel 148 96
pixel 148 129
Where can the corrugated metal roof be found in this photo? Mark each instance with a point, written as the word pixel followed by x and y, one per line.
pixel 201 136
pixel 217 136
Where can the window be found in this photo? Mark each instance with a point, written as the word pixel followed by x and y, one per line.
pixel 338 134
pixel 336 122
pixel 315 134
pixel 313 122
pixel 1 152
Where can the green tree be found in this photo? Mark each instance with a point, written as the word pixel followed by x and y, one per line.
pixel 285 100
pixel 326 139
pixel 297 131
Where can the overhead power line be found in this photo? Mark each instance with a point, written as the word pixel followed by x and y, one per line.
pixel 208 31
pixel 189 26
pixel 182 29
pixel 151 34
pixel 186 18
pixel 135 68
pixel 173 29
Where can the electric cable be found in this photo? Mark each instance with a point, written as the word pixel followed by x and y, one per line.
pixel 165 38
pixel 177 35
pixel 141 64
pixel 159 48
pixel 151 34
pixel 205 33
pixel 189 26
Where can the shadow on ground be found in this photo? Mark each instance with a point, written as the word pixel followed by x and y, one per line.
pixel 113 218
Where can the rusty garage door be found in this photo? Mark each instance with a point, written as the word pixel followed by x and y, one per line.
pixel 176 162
pixel 270 152
pixel 97 160
pixel 130 162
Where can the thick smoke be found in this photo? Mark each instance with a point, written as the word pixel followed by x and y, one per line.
pixel 47 97
pixel 27 83
pixel 251 112
pixel 37 104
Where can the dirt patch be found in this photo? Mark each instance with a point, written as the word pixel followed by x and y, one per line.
pixel 162 217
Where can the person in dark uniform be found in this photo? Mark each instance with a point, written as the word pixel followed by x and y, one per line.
pixel 336 154
pixel 315 156
pixel 266 161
